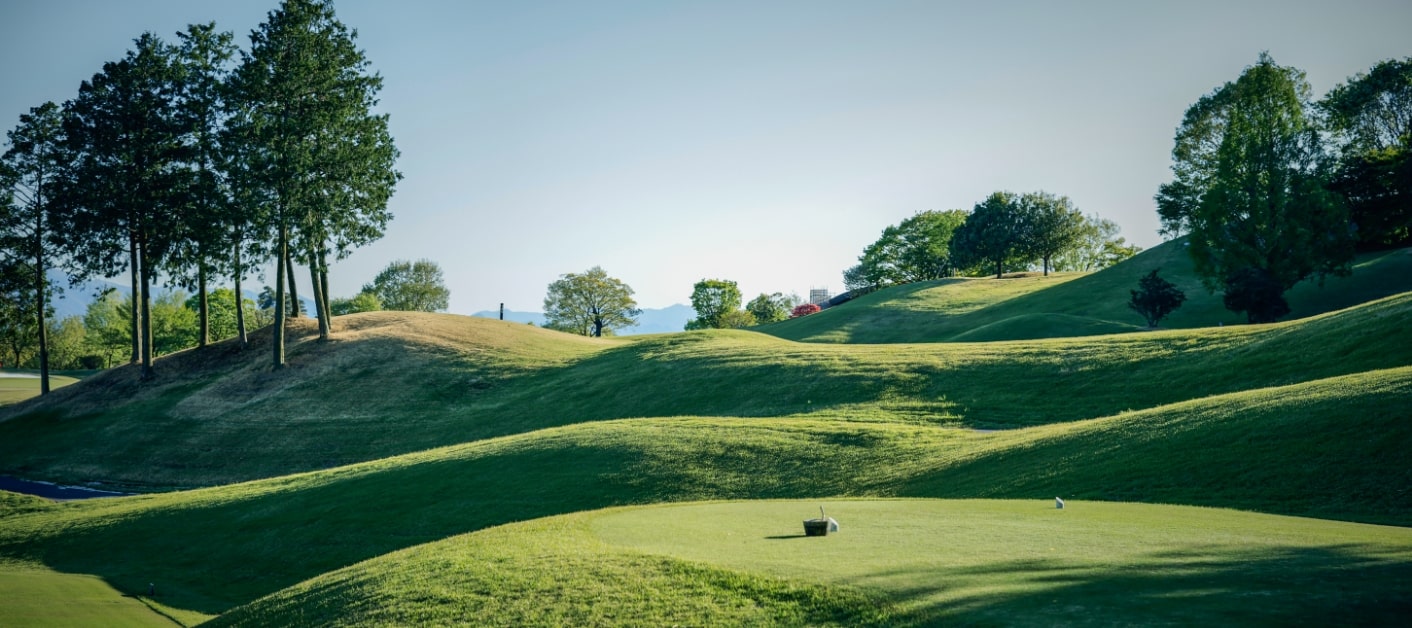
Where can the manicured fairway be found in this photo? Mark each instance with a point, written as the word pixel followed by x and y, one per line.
pixel 14 389
pixel 902 562
pixel 34 596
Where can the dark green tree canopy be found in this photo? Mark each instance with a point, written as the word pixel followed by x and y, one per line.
pixel 590 303
pixel 1254 193
pixel 1155 298
pixel 996 232
pixel 1371 120
pixel 1055 225
pixel 411 287
pixel 716 302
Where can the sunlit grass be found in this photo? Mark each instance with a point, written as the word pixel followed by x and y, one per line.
pixel 893 563
pixel 1067 304
pixel 17 389
pixel 1332 448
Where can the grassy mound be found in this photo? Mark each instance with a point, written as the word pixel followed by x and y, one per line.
pixel 946 310
pixel 1333 448
pixel 408 382
pixel 894 563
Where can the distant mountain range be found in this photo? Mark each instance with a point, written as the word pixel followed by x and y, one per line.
pixel 652 321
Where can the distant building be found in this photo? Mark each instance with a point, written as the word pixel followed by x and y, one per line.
pixel 820 296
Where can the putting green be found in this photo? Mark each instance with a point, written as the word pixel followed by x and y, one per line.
pixel 894 563
pixel 1022 561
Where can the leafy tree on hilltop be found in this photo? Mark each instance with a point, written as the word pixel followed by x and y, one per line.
pixel 1371 117
pixel 771 308
pixel 410 287
pixel 1249 188
pixel 1098 246
pixel 589 303
pixel 996 232
pixel 1055 225
pixel 1155 298
pixel 916 249
pixel 363 302
pixel 715 302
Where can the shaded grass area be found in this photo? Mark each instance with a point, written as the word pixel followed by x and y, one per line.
pixel 16 389
pixel 409 382
pixel 1286 451
pixel 1072 304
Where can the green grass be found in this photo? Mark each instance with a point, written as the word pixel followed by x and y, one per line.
pixel 399 390
pixel 16 389
pixel 1068 304
pixel 380 448
pixel 35 596
pixel 1332 448
pixel 893 563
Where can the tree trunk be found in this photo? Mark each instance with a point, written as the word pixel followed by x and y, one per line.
pixel 39 291
pixel 239 302
pixel 289 268
pixel 323 286
pixel 1046 265
pixel 203 335
pixel 135 266
pixel 320 310
pixel 147 371
pixel 999 268
pixel 280 297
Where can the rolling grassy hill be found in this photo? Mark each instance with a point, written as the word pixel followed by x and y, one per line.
pixel 1061 305
pixel 1331 448
pixel 395 383
pixel 433 468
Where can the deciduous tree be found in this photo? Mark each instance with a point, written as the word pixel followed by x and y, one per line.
pixel 411 287
pixel 1255 199
pixel 771 308
pixel 996 232
pixel 589 303
pixel 1054 225
pixel 1371 119
pixel 713 300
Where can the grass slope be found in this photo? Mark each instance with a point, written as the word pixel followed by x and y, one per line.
pixel 894 563
pixel 394 383
pixel 1071 304
pixel 1332 448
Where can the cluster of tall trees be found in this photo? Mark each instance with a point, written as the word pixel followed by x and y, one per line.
pixel 1274 188
pixel 194 162
pixel 1006 231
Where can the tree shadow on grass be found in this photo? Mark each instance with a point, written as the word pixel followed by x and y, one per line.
pixel 1330 585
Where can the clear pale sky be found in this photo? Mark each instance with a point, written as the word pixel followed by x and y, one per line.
pixel 762 142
